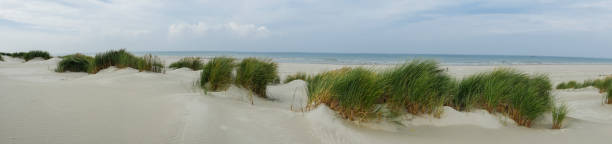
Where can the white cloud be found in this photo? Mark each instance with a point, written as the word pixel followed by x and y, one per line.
pixel 203 28
pixel 198 28
pixel 247 29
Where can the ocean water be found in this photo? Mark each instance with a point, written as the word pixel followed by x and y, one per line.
pixel 342 58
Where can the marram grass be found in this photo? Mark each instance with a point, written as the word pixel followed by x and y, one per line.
pixel 353 92
pixel 1 59
pixel 416 87
pixel 255 74
pixel 193 63
pixel 522 97
pixel 36 53
pixel 297 76
pixel 123 59
pixel 608 98
pixel 558 116
pixel 76 63
pixel 217 74
pixel 28 55
pixel 150 63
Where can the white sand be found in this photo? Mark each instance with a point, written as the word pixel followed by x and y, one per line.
pixel 124 106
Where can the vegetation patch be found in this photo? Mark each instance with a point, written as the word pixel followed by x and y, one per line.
pixel 255 74
pixel 28 55
pixel 297 76
pixel 351 92
pixel 193 63
pixel 604 85
pixel 217 74
pixel 123 59
pixel 520 96
pixel 417 87
pixel 34 54
pixel 1 59
pixel 609 97
pixel 76 63
pixel 558 115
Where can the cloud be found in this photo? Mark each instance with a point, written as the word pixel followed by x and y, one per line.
pixel 203 28
pixel 247 29
pixel 304 25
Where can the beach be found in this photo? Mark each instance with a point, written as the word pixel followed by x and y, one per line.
pixel 125 106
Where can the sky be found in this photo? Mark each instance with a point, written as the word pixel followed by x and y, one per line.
pixel 577 28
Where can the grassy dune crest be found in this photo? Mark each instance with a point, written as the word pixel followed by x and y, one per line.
pixel 518 95
pixel 193 63
pixel 123 59
pixel 217 74
pixel 297 76
pixel 604 85
pixel 353 92
pixel 28 55
pixel 150 63
pixel 76 63
pixel 255 74
pixel 320 86
pixel 36 53
pixel 416 87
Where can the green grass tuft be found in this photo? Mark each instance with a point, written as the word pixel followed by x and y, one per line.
pixel 217 74
pixel 356 93
pixel 17 54
pixel 558 115
pixel 417 87
pixel 255 75
pixel 352 92
pixel 193 63
pixel 34 54
pixel 1 59
pixel 150 63
pixel 520 96
pixel 297 76
pixel 608 98
pixel 123 59
pixel 76 63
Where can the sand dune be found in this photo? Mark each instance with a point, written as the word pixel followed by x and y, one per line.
pixel 38 105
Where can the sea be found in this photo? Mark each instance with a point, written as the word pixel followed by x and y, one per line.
pixel 382 59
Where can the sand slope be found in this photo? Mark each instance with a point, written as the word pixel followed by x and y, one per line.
pixel 125 106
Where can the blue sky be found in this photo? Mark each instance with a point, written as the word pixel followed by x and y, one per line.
pixel 509 27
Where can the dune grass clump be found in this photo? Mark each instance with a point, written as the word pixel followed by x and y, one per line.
pixel 123 59
pixel 255 74
pixel 603 84
pixel 217 74
pixel 150 63
pixel 352 92
pixel 574 85
pixel 27 56
pixel 319 86
pixel 36 53
pixel 558 115
pixel 417 87
pixel 1 59
pixel 76 63
pixel 18 54
pixel 520 96
pixel 193 63
pixel 120 59
pixel 608 98
pixel 297 76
